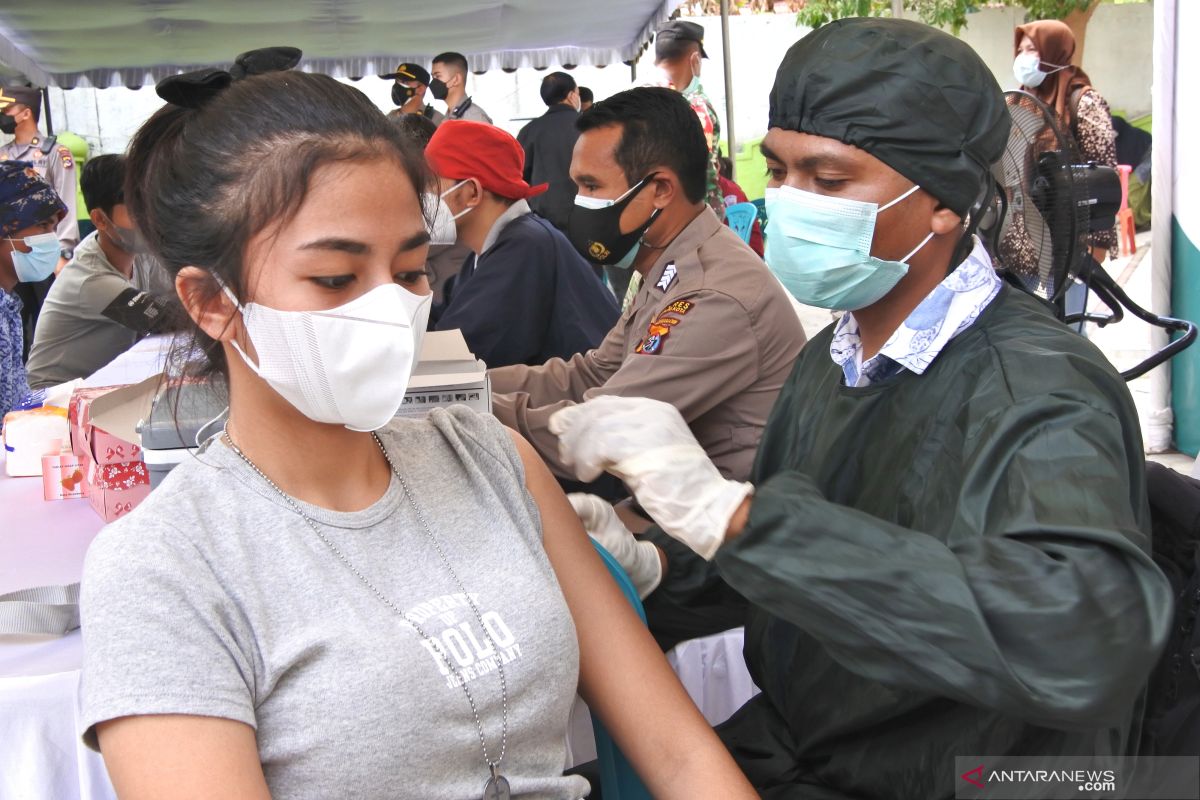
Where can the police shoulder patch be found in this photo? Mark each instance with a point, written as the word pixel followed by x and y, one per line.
pixel 64 153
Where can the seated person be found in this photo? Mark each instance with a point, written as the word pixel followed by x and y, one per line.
pixel 97 307
pixel 329 601
pixel 526 296
pixel 709 331
pixel 945 539
pixel 30 211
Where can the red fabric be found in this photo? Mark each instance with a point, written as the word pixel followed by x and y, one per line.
pixel 733 195
pixel 462 148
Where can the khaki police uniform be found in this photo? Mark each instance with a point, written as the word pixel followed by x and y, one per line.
pixel 710 331
pixel 55 163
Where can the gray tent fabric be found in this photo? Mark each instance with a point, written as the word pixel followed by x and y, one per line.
pixel 133 43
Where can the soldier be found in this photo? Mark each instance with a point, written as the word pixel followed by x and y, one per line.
pixel 409 93
pixel 678 48
pixel 20 112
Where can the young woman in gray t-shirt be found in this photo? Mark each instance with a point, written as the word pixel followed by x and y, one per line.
pixel 328 602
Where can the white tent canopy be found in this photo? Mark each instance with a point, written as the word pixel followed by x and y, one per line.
pixel 103 43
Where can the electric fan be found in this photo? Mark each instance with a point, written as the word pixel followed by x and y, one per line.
pixel 1049 200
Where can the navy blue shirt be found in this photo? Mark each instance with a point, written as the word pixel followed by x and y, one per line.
pixel 530 297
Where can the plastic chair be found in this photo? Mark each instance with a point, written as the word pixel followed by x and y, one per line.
pixel 1125 224
pixel 617 778
pixel 740 217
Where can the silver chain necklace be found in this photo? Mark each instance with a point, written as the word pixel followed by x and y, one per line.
pixel 496 787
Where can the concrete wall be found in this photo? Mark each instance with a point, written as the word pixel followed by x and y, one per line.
pixel 1117 57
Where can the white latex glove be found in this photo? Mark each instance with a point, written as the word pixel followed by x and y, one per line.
pixel 648 445
pixel 639 559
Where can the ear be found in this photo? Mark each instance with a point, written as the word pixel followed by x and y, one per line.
pixel 944 221
pixel 473 193
pixel 208 306
pixel 96 216
pixel 665 187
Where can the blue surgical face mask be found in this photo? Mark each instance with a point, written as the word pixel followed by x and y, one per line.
pixel 39 263
pixel 820 249
pixel 1027 69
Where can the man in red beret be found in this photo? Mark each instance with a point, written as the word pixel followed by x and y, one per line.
pixel 525 295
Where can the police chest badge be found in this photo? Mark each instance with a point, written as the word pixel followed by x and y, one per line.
pixel 658 330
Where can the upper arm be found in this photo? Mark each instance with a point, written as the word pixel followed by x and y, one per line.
pixel 179 756
pixel 623 676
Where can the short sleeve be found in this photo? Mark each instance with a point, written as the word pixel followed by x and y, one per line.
pixel 98 290
pixel 160 635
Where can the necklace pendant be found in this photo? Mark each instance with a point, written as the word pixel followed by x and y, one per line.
pixel 496 788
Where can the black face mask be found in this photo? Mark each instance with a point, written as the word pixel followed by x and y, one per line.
pixel 438 89
pixel 401 94
pixel 8 124
pixel 596 232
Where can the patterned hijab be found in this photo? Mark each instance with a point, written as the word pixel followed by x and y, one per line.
pixel 1056 47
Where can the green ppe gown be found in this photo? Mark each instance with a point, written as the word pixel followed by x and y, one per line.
pixel 953 563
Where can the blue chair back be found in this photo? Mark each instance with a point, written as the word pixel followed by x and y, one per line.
pixel 740 217
pixel 617 778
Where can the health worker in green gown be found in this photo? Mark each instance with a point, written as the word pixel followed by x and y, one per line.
pixel 945 539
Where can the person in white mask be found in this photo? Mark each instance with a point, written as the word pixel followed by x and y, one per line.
pixel 30 210
pixel 526 296
pixel 944 540
pixel 327 601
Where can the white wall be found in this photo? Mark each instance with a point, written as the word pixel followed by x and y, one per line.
pixel 1117 57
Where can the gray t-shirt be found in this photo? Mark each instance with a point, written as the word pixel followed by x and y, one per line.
pixel 214 598
pixel 73 337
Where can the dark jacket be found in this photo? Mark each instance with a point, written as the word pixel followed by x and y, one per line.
pixel 548 142
pixel 530 297
pixel 953 563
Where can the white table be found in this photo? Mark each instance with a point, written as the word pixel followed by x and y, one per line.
pixel 43 543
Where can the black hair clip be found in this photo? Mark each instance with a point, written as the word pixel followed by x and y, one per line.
pixel 195 89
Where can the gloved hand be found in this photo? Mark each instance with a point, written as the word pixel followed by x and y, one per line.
pixel 647 444
pixel 639 559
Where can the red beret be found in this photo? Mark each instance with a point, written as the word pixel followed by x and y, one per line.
pixel 462 149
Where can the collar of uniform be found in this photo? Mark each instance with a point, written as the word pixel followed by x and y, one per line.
pixel 518 209
pixel 560 108
pixel 951 308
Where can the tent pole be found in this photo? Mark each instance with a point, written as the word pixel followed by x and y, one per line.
pixel 46 111
pixel 725 57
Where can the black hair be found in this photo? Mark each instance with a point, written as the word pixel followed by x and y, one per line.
pixel 671 49
pixel 202 182
pixel 452 59
pixel 585 95
pixel 658 129
pixel 103 183
pixel 417 128
pixel 555 87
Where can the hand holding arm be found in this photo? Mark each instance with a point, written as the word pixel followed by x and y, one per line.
pixel 647 444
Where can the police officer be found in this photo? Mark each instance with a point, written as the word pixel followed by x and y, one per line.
pixel 20 111
pixel 409 92
pixel 710 331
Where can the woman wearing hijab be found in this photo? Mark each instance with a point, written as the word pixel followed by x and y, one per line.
pixel 1044 51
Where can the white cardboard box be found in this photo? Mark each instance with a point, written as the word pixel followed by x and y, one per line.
pixel 446 374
